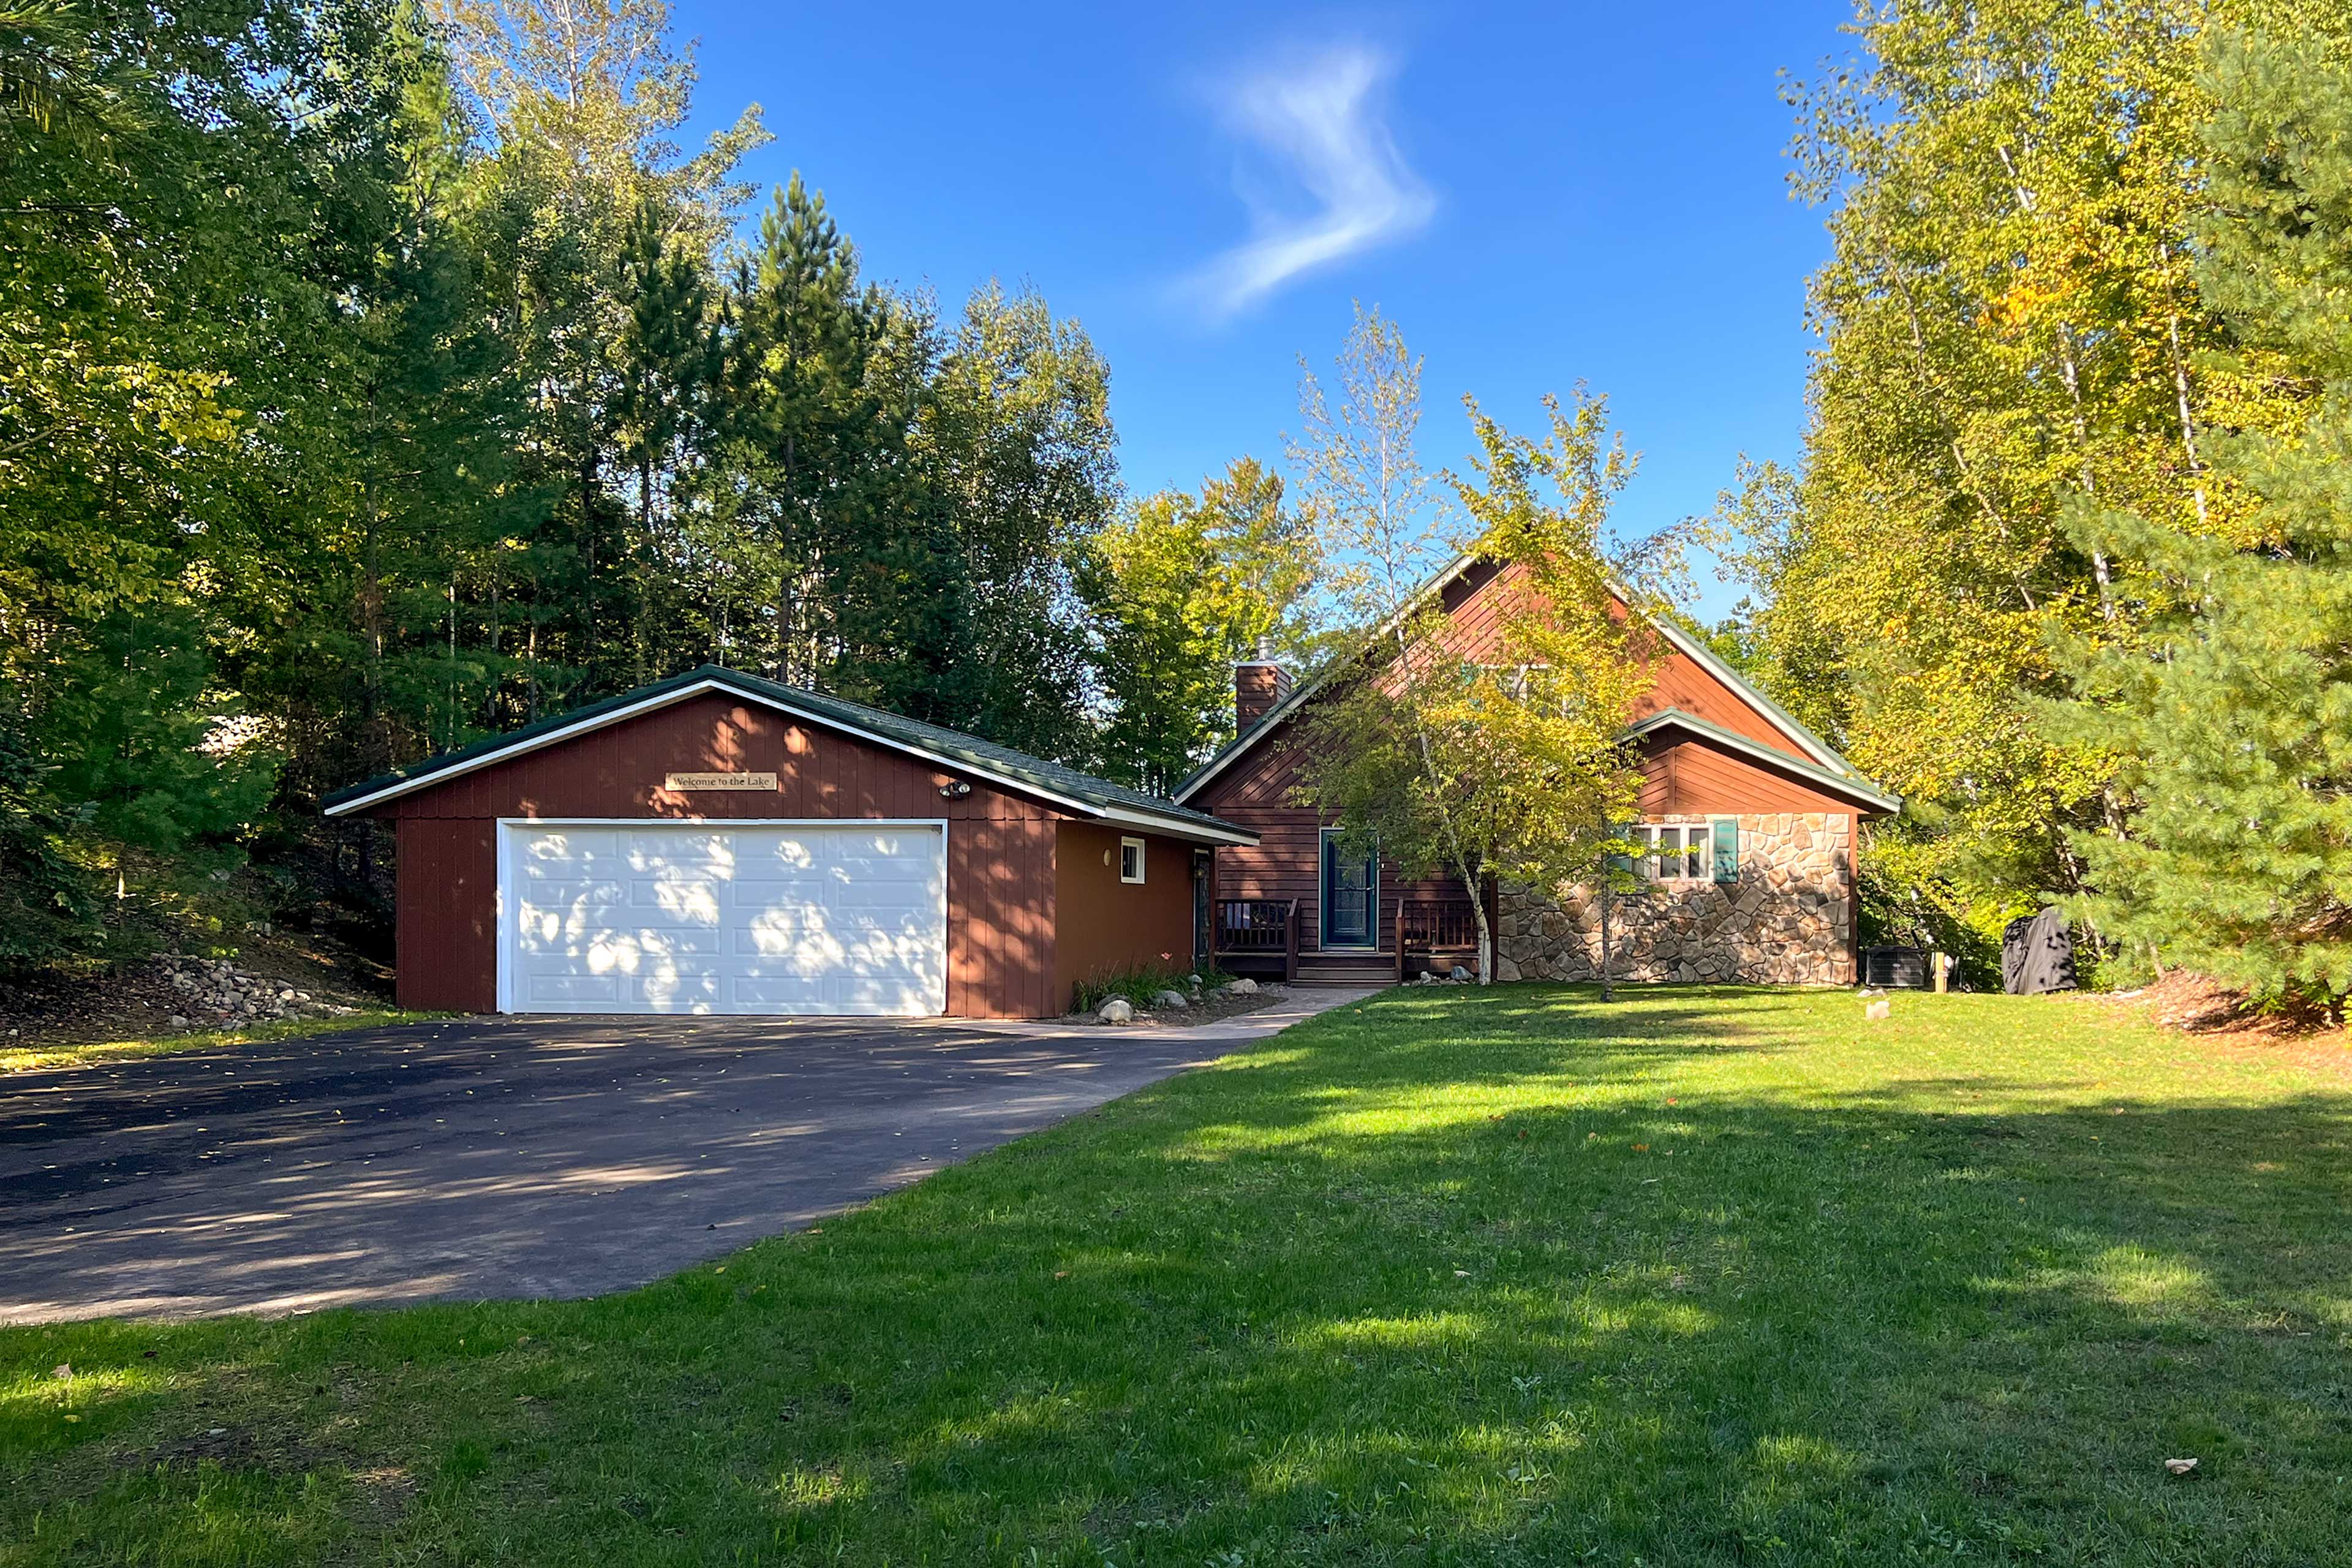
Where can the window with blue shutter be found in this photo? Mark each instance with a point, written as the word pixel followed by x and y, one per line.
pixel 1726 849
pixel 1623 862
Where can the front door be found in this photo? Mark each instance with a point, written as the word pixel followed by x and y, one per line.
pixel 1352 885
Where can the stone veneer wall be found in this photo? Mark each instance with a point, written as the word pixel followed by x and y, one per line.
pixel 1788 920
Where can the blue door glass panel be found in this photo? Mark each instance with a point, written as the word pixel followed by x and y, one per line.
pixel 1349 885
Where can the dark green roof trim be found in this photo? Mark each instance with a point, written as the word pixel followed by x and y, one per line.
pixel 953 747
pixel 443 761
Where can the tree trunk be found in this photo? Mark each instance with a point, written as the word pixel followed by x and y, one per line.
pixel 2181 398
pixel 452 683
pixel 1478 916
pixel 637 578
pixel 2082 455
pixel 1607 990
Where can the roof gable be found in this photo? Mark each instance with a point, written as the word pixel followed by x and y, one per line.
pixel 1082 794
pixel 1790 738
pixel 1846 786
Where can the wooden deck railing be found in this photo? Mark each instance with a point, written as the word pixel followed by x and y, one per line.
pixel 1428 927
pixel 1259 928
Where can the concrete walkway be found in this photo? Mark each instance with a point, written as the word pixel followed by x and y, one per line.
pixel 514 1157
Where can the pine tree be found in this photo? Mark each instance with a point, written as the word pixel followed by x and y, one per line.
pixel 666 361
pixel 2231 724
pixel 2009 319
pixel 813 442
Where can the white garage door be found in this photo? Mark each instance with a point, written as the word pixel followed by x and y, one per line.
pixel 831 918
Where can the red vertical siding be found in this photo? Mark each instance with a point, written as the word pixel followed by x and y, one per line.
pixel 446 924
pixel 1000 844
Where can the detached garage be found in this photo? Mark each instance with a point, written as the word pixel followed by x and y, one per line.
pixel 721 843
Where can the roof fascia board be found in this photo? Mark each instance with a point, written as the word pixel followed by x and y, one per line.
pixel 1178 826
pixel 1843 783
pixel 1267 719
pixel 1781 719
pixel 505 753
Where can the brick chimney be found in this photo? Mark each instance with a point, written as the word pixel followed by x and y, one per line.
pixel 1259 684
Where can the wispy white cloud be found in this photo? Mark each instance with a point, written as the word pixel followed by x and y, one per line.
pixel 1319 120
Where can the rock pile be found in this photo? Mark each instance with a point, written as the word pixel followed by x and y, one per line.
pixel 218 993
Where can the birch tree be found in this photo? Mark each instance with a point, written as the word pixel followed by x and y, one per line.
pixel 1498 758
pixel 2009 321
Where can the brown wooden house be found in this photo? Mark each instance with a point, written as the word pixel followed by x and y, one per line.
pixel 1752 818
pixel 718 843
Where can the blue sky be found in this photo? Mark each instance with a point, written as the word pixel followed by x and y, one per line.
pixel 1538 194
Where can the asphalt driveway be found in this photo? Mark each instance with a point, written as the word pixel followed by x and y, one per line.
pixel 509 1156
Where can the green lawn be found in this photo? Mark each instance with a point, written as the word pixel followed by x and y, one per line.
pixel 83 1053
pixel 1708 1277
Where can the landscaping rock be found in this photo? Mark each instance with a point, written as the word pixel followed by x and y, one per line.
pixel 1117 1010
pixel 223 995
pixel 1172 999
pixel 1460 974
pixel 1245 987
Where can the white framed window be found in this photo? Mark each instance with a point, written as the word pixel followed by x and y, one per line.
pixel 1677 853
pixel 1130 859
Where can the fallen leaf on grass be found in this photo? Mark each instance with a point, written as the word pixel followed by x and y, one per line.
pixel 2180 1466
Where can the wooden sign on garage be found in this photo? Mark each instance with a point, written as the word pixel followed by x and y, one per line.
pixel 681 783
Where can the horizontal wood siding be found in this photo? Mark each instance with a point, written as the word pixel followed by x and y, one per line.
pixel 1680 773
pixel 1286 861
pixel 1693 775
pixel 999 845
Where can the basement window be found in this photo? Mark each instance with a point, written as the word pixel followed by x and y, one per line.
pixel 1130 859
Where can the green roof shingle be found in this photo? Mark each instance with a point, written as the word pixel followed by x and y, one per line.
pixel 1016 768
